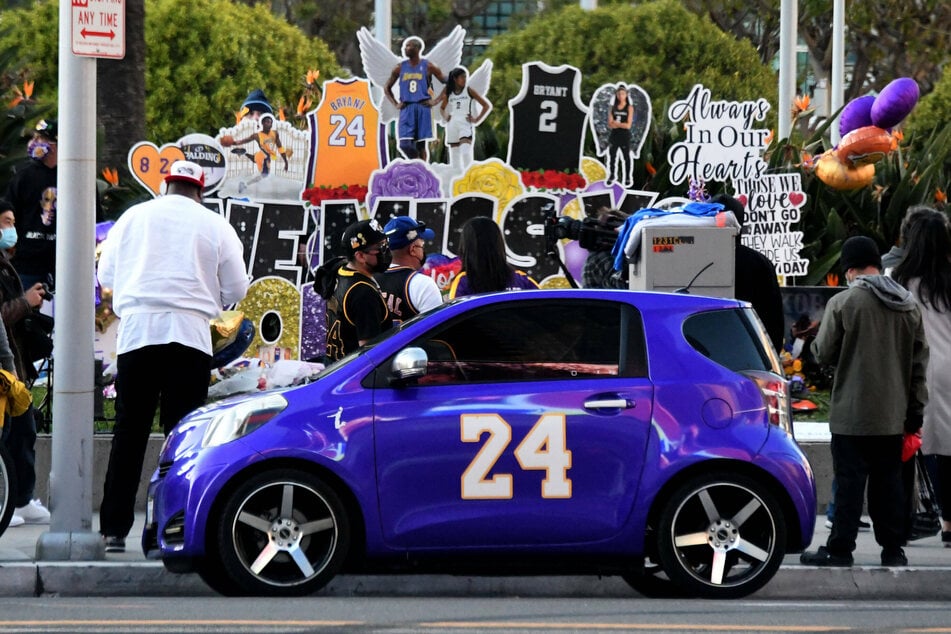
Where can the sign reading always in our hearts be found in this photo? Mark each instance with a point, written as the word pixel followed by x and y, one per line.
pixel 150 165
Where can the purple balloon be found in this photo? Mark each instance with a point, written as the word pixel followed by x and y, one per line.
pixel 856 114
pixel 102 230
pixel 895 102
pixel 574 259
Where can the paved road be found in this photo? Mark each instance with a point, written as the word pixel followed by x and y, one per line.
pixel 927 577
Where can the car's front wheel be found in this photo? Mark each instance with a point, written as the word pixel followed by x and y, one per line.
pixel 721 535
pixel 281 533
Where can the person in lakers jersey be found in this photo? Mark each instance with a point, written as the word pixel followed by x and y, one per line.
pixel 414 75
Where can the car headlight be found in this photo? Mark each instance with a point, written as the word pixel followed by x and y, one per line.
pixel 241 419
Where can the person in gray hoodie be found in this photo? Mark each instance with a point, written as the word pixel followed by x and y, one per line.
pixel 872 334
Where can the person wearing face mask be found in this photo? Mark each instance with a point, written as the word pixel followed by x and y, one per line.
pixel 19 434
pixel 356 311
pixel 408 292
pixel 32 191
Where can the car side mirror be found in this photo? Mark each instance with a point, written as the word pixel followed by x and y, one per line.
pixel 409 363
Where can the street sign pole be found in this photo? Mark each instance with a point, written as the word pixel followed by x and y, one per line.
pixel 71 535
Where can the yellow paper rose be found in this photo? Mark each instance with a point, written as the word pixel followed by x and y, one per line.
pixel 493 178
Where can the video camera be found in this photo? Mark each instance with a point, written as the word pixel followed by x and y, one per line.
pixel 589 233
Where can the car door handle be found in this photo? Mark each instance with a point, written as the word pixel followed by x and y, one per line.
pixel 609 403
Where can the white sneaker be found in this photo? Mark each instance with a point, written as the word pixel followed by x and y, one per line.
pixel 828 523
pixel 16 520
pixel 33 513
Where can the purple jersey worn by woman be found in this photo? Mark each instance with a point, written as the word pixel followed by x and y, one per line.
pixel 517 282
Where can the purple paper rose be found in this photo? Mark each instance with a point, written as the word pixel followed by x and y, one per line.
pixel 404 179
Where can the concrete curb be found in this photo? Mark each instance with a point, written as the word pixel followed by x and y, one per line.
pixel 79 579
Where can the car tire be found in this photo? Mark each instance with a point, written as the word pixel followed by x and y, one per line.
pixel 8 487
pixel 651 582
pixel 281 533
pixel 722 535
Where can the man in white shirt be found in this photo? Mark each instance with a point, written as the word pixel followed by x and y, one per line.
pixel 172 265
pixel 406 291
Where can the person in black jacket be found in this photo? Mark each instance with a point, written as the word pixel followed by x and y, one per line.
pixel 19 434
pixel 756 280
pixel 32 192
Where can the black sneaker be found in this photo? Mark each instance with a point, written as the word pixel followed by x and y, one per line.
pixel 823 557
pixel 114 544
pixel 894 558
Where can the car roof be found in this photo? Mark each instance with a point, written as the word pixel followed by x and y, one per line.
pixel 644 300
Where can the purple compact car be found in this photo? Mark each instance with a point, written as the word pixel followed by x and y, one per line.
pixel 646 435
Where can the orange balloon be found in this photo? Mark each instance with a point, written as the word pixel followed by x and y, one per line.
pixel 835 173
pixel 864 145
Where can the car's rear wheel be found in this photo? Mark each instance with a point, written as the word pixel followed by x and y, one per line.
pixel 721 535
pixel 281 533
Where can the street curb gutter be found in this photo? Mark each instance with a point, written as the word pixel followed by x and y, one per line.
pixel 151 579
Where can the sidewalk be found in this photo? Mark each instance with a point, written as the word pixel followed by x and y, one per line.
pixel 927 577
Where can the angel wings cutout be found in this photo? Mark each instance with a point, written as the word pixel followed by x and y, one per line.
pixel 601 103
pixel 379 62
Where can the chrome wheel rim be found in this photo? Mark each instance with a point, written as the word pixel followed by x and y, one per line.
pixel 724 534
pixel 285 533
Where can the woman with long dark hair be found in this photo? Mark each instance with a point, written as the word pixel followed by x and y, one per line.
pixel 926 272
pixel 620 120
pixel 484 265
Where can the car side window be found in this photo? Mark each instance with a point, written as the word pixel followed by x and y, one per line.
pixel 530 341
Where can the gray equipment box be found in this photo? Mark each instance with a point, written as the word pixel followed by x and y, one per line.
pixel 672 256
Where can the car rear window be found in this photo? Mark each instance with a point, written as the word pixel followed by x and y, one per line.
pixel 733 338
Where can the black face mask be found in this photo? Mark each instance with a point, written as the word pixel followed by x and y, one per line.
pixel 383 260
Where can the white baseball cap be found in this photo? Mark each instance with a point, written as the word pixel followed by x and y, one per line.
pixel 187 172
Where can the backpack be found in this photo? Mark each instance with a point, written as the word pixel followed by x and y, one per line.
pixel 325 276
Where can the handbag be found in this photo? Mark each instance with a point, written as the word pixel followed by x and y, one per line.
pixel 926 520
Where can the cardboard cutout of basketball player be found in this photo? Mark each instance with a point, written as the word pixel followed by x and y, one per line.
pixel 418 80
pixel 620 119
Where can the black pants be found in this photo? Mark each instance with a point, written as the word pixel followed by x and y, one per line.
pixel 172 377
pixel 619 152
pixel 876 460
pixel 19 435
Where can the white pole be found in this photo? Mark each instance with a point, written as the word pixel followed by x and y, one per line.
pixel 788 34
pixel 838 63
pixel 384 20
pixel 70 536
pixel 588 5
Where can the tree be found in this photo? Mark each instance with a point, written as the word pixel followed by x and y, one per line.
pixel 659 45
pixel 202 59
pixel 934 110
pixel 885 39
pixel 120 92
pixel 336 23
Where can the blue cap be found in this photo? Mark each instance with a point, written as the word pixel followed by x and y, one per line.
pixel 401 231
